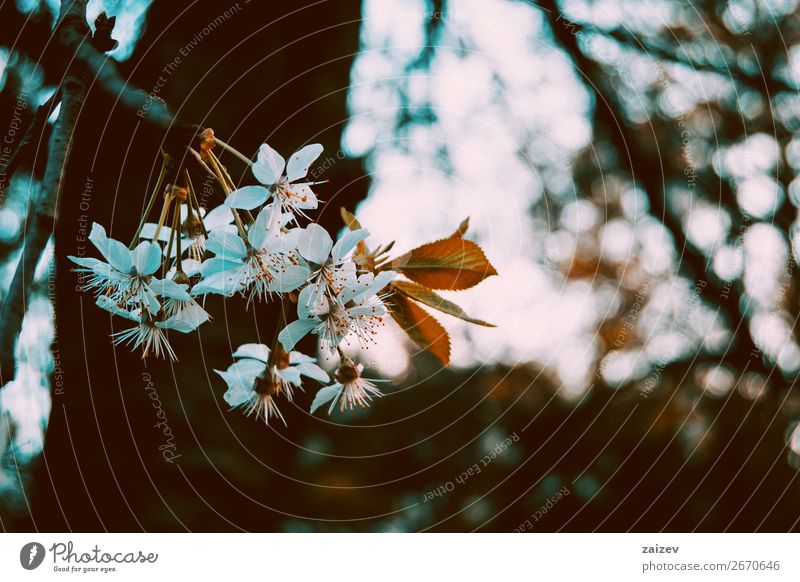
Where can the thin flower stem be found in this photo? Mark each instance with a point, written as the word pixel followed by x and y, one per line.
pixel 194 203
pixel 218 172
pixel 223 170
pixel 221 179
pixel 163 217
pixel 344 357
pixel 169 249
pixel 233 151
pixel 176 229
pixel 150 203
pixel 276 344
pixel 217 167
pixel 223 173
pixel 239 224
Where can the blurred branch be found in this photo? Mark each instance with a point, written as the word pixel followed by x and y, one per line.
pixel 102 70
pixel 767 85
pixel 85 62
pixel 649 174
pixel 34 132
pixel 434 23
pixel 42 216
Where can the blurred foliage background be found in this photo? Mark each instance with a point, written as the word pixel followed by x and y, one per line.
pixel 631 170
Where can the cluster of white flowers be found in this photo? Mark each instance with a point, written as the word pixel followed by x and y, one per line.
pixel 252 245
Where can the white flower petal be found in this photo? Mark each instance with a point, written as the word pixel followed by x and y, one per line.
pixel 220 216
pixel 99 239
pixel 220 277
pixel 171 289
pixel 146 258
pixel 303 197
pixel 254 351
pixel 299 357
pixel 186 320
pixel 289 278
pixel 105 302
pixel 247 369
pixel 226 245
pixel 286 242
pixel 300 161
pixel 375 286
pixel 294 332
pixel 325 395
pixel 347 243
pixel 345 274
pixel 268 166
pixel 367 310
pixel 216 265
pixel 149 298
pixel 247 197
pixel 290 375
pixel 237 393
pixel 314 244
pixel 258 232
pixel 88 262
pixel 217 284
pixel 116 253
pixel 311 300
pixel 149 231
pixel 190 267
pixel 312 371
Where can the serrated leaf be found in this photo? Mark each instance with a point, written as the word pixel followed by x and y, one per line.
pixel 450 263
pixel 350 221
pixel 462 229
pixel 420 326
pixel 433 299
pixel 384 250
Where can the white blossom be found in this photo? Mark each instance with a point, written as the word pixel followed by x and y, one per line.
pixel 357 308
pixel 253 388
pixel 256 267
pixel 126 274
pixel 149 333
pixel 351 390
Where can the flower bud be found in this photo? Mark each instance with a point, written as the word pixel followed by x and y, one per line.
pixel 347 373
pixel 207 141
pixel 181 278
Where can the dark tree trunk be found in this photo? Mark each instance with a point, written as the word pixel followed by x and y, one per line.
pixel 255 75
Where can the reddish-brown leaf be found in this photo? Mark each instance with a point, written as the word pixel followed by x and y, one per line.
pixel 433 299
pixel 450 263
pixel 462 229
pixel 420 326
